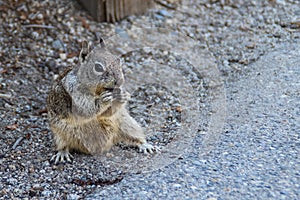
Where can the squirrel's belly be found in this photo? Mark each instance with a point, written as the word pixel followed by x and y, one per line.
pixel 94 136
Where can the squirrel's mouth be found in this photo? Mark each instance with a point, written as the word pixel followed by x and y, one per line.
pixel 108 88
pixel 100 90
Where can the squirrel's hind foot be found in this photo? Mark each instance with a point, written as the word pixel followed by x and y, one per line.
pixel 62 157
pixel 148 148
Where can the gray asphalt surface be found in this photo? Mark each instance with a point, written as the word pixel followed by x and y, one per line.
pixel 257 154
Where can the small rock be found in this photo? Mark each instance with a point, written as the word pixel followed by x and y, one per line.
pixel 51 64
pixel 35 35
pixel 196 162
pixel 57 44
pixel 281 2
pixel 176 185
pixel 121 50
pixel 40 16
pixel 63 56
pixel 60 10
pixel 73 197
pixel 212 198
pixel 159 17
pixel 121 33
pixel 165 13
pixel 46 193
pixel 12 181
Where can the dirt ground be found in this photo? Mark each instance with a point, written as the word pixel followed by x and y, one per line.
pixel 39 39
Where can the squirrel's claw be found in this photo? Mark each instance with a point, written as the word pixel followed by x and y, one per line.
pixel 61 157
pixel 148 148
pixel 106 96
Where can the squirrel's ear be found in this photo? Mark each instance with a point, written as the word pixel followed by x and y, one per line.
pixel 100 40
pixel 85 50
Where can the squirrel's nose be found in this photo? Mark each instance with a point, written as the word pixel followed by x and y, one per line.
pixel 119 79
pixel 118 82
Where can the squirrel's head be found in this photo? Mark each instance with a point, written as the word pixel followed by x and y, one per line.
pixel 98 68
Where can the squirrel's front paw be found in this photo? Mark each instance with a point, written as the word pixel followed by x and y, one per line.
pixel 121 95
pixel 106 96
pixel 61 157
pixel 104 100
pixel 148 148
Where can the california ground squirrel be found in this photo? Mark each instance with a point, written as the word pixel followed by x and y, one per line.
pixel 86 107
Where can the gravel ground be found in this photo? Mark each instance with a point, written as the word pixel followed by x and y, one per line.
pixel 256 156
pixel 254 46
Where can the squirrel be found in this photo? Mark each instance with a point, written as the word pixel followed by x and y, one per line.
pixel 86 107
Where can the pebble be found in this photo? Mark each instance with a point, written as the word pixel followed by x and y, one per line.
pixel 12 167
pixel 63 56
pixel 73 197
pixel 176 185
pixel 35 35
pixel 51 64
pixel 57 44
pixel 39 16
pixel 159 17
pixel 165 13
pixel 122 33
pixel 46 193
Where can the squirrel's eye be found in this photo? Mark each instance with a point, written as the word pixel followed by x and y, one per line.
pixel 99 67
